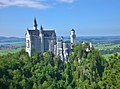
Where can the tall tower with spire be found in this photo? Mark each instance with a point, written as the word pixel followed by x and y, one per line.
pixel 72 36
pixel 42 39
pixel 35 24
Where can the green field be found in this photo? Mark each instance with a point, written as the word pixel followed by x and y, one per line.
pixel 4 52
pixel 106 46
pixel 97 46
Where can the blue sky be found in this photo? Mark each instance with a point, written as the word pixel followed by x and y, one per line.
pixel 87 17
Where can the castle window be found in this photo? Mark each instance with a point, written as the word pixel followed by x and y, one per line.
pixel 28 44
pixel 46 35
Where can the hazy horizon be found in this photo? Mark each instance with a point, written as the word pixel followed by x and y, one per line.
pixel 69 36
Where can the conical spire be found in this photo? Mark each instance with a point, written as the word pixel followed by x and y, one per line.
pixel 35 24
pixel 41 28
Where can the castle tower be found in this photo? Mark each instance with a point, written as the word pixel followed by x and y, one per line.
pixel 72 36
pixel 65 51
pixel 28 43
pixel 83 44
pixel 42 39
pixel 60 48
pixel 62 38
pixel 35 24
pixel 91 46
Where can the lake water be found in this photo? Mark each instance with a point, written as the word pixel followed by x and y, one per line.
pixel 3 43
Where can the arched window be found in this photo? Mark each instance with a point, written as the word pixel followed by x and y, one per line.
pixel 28 44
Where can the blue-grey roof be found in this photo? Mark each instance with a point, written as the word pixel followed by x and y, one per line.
pixel 33 32
pixel 49 33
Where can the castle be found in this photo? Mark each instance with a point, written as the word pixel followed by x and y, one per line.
pixel 41 40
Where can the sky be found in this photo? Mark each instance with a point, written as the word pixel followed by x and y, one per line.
pixel 87 17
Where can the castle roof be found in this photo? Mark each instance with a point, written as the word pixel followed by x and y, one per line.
pixel 46 33
pixel 49 33
pixel 33 32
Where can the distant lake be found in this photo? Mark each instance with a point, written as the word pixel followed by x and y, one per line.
pixel 79 39
pixel 3 43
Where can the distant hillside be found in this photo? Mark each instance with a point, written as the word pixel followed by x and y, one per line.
pixel 99 39
pixel 96 39
pixel 79 39
pixel 11 39
pixel 11 44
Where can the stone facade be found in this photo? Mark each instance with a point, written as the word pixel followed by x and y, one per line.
pixel 40 40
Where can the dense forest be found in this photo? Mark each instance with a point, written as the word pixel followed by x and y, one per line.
pixel 84 70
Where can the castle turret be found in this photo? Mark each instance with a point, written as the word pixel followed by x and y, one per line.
pixel 72 36
pixel 42 39
pixel 62 38
pixel 60 48
pixel 28 42
pixel 35 24
pixel 91 46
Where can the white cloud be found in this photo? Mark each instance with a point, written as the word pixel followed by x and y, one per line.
pixel 67 1
pixel 40 4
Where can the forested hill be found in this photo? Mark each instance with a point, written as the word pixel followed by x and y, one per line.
pixel 46 71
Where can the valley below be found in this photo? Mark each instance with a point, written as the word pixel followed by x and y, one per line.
pixel 107 45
